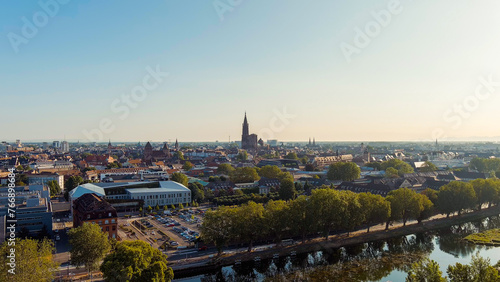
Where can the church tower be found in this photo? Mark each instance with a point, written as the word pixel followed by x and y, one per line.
pixel 109 147
pixel 245 127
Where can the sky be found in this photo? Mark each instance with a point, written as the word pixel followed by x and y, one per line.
pixel 366 70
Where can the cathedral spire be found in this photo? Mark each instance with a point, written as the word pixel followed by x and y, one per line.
pixel 245 126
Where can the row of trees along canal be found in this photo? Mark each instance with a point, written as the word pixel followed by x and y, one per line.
pixel 328 210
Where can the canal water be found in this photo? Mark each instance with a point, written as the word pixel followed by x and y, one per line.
pixel 386 260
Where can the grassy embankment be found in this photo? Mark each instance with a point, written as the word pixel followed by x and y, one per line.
pixel 489 237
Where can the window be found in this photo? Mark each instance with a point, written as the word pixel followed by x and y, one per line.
pixel 112 221
pixel 88 216
pixel 106 221
pixel 114 235
pixel 109 214
pixel 107 228
pixel 100 222
pixel 114 228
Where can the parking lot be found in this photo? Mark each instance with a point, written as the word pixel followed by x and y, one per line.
pixel 182 229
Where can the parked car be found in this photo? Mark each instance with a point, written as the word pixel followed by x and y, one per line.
pixel 58 238
pixel 203 248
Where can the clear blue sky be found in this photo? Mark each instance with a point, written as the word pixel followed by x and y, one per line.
pixel 262 57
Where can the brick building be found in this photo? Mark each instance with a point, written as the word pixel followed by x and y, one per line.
pixel 90 208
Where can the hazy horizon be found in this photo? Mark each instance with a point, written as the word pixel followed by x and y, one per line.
pixel 360 70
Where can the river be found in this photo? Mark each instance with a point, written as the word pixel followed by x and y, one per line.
pixel 386 260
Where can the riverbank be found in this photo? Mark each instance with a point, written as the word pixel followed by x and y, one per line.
pixel 206 264
pixel 487 238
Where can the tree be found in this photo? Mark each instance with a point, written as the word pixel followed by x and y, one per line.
pixel 391 173
pixel 54 187
pixel 249 223
pixel 187 166
pixel 244 175
pixel 270 171
pixel 425 271
pixel 486 191
pixel 179 155
pixel 21 180
pixel 431 194
pixel 304 160
pixel 218 227
pixel 197 194
pixel 428 167
pixel 181 206
pixel 225 169
pixel 301 217
pixel 242 156
pixel 376 208
pixel 374 165
pixel 276 219
pixel 426 207
pixel 136 261
pixel 456 196
pixel 302 220
pixel 327 210
pixel 480 269
pixel 287 190
pixel 310 167
pixel 179 178
pixel 291 156
pixel 397 164
pixel 89 245
pixel 404 205
pixel 73 182
pixel 344 171
pixel 353 214
pixel 33 261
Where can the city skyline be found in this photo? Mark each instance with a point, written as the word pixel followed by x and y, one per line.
pixel 345 71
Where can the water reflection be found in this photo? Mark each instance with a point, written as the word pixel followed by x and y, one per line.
pixel 364 262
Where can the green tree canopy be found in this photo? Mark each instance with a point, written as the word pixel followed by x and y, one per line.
pixel 54 187
pixel 187 166
pixel 34 261
pixel 226 169
pixel 376 209
pixel 480 269
pixel 405 204
pixel 242 156
pixel 428 167
pixel 425 270
pixel 244 175
pixel 73 182
pixel 287 190
pixel 397 164
pixel 456 196
pixel 136 261
pixel 344 171
pixel 292 156
pixel 180 178
pixel 89 245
